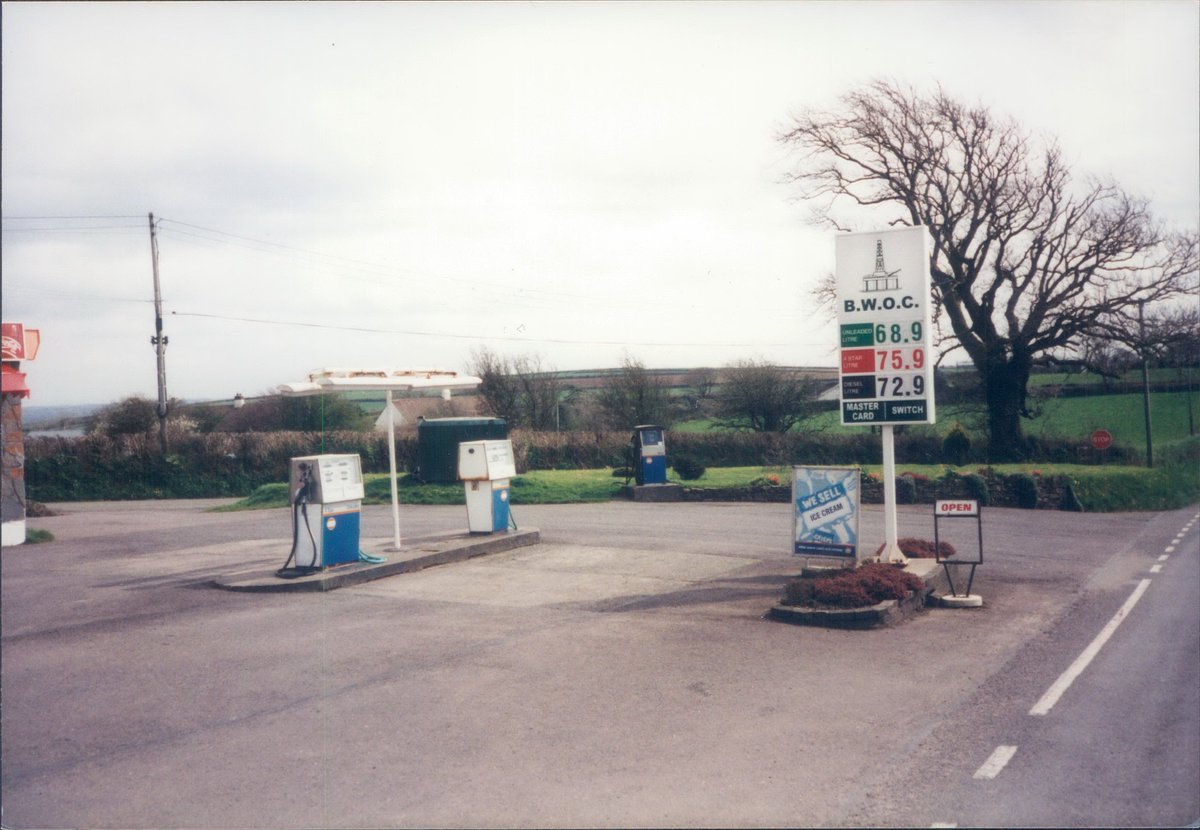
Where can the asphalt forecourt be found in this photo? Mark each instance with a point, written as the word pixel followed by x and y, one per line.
pixel 619 673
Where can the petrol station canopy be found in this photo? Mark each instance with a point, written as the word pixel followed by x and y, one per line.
pixel 381 380
pixel 347 380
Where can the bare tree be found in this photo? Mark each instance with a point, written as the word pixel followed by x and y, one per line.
pixel 517 389
pixel 766 397
pixel 1024 261
pixel 697 397
pixel 634 397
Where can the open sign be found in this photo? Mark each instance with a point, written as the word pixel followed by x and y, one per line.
pixel 956 507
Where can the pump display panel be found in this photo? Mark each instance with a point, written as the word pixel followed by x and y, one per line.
pixel 324 479
pixel 651 438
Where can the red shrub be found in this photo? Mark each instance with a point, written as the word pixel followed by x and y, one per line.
pixel 921 548
pixel 867 585
pixel 841 593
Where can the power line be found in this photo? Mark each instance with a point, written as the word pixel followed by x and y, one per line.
pixel 79 228
pixel 76 295
pixel 99 216
pixel 368 330
pixel 382 269
pixel 368 271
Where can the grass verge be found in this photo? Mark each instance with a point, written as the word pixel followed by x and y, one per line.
pixel 1099 488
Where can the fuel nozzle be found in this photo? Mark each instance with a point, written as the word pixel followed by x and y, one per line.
pixel 302 492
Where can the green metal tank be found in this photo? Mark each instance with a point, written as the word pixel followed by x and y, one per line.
pixel 438 440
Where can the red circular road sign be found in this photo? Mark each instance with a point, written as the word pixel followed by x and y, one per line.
pixel 1102 439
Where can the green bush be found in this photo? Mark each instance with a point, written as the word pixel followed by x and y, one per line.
pixel 977 488
pixel 906 490
pixel 686 467
pixel 1025 490
pixel 956 446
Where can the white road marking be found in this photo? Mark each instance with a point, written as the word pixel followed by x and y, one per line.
pixel 1169 548
pixel 996 762
pixel 1156 569
pixel 943 824
pixel 1064 682
pixel 1164 557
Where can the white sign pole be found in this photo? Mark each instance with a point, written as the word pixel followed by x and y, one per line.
pixel 891 548
pixel 392 466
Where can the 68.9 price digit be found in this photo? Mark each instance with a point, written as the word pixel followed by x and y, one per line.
pixel 899 332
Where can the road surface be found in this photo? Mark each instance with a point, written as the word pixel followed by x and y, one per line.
pixel 619 674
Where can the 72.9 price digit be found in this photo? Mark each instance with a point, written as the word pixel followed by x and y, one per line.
pixel 899 386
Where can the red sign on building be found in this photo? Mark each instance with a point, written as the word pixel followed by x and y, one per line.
pixel 12 341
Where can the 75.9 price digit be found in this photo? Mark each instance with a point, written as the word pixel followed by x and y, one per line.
pixel 899 360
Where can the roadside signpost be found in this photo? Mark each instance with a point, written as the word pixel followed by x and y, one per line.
pixel 886 363
pixel 1102 439
pixel 959 509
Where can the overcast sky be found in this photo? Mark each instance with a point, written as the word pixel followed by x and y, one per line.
pixel 397 184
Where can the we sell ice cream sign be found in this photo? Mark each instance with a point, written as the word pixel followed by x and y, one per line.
pixel 825 506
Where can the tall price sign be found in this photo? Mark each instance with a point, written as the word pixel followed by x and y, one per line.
pixel 883 298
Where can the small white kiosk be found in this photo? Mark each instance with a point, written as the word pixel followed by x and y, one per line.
pixel 485 468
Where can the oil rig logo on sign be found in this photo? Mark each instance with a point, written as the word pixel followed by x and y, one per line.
pixel 881 279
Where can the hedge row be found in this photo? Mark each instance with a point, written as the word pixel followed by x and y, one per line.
pixel 198 466
pixel 234 464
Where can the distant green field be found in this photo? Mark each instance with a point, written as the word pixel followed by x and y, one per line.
pixel 1072 418
pixel 1092 379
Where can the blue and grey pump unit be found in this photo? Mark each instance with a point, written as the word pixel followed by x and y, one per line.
pixel 485 468
pixel 650 455
pixel 326 493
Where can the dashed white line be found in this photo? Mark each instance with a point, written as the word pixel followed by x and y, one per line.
pixel 1156 569
pixel 1169 548
pixel 1164 557
pixel 1073 671
pixel 996 762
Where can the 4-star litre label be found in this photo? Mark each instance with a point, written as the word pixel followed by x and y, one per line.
pixel 886 374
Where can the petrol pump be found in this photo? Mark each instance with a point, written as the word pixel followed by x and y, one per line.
pixel 650 455
pixel 485 468
pixel 326 493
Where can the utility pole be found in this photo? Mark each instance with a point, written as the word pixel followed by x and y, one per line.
pixel 1145 380
pixel 159 341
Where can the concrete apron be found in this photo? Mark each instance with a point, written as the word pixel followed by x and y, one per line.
pixel 415 554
